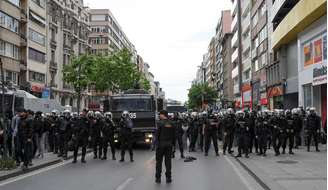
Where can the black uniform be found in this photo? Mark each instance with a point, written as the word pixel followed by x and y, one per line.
pixel 53 135
pixel 242 134
pixel 25 134
pixel 228 125
pixel 165 136
pixel 96 137
pixel 252 140
pixel 210 133
pixel 201 123
pixel 126 137
pixel 262 134
pixel 107 136
pixel 312 129
pixel 290 133
pixel 178 135
pixel 64 134
pixel 81 134
pixel 298 126
pixel 193 130
pixel 275 124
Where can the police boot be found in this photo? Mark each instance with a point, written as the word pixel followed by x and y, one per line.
pixel 217 154
pixel 291 152
pixel 238 156
pixel 182 156
pixel 113 157
pixel 131 158
pixel 317 149
pixel 283 151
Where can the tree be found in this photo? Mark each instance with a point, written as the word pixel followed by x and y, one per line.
pixel 200 94
pixel 79 73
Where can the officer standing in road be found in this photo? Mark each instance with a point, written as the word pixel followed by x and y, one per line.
pixel 210 132
pixel 177 121
pixel 126 136
pixel 261 132
pixel 81 135
pixel 290 130
pixel 228 125
pixel 242 133
pixel 96 135
pixel 252 140
pixel 107 136
pixel 64 131
pixel 298 126
pixel 52 135
pixel 165 141
pixel 193 130
pixel 312 128
pixel 275 127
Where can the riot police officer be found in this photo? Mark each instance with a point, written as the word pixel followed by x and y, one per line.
pixel 64 131
pixel 96 126
pixel 81 135
pixel 312 128
pixel 228 125
pixel 297 125
pixel 53 135
pixel 126 140
pixel 177 122
pixel 261 132
pixel 242 134
pixel 289 130
pixel 210 132
pixel 252 140
pixel 107 136
pixel 276 125
pixel 193 130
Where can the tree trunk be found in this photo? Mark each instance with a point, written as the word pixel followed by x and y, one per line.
pixel 78 101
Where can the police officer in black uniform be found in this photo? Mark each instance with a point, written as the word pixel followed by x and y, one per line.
pixel 276 131
pixel 252 140
pixel 53 127
pixel 261 132
pixel 210 132
pixel 165 136
pixel 177 122
pixel 81 135
pixel 193 130
pixel 126 136
pixel 107 136
pixel 242 133
pixel 290 130
pixel 96 135
pixel 64 133
pixel 312 128
pixel 228 125
pixel 298 126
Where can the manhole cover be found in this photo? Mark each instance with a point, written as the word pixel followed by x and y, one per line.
pixel 287 162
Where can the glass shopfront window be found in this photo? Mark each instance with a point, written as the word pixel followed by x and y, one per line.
pixel 307 91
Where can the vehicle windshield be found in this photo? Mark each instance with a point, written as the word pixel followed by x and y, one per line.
pixel 173 109
pixel 130 104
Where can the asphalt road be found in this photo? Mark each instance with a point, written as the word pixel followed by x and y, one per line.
pixel 203 174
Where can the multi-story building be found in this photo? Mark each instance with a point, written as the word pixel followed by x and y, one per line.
pixel 259 51
pixel 106 33
pixel 212 64
pixel 13 19
pixel 236 56
pixel 297 74
pixel 223 59
pixel 68 29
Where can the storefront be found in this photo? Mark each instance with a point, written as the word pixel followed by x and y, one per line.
pixel 275 97
pixel 246 97
pixel 312 67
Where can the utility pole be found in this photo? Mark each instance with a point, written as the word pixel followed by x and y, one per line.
pixel 3 119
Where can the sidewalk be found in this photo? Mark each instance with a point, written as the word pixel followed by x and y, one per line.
pixel 38 163
pixel 301 171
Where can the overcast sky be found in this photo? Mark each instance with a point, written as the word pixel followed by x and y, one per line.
pixel 171 35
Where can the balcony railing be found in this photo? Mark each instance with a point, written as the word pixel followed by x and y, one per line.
pixel 234 40
pixel 234 55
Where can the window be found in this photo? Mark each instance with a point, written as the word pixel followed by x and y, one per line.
pixel 254 20
pixel 36 77
pixel 15 2
pixel 307 90
pixel 8 22
pixel 9 50
pixel 262 9
pixel 11 76
pixel 36 55
pixel 37 19
pixel 36 37
pixel 256 65
pixel 41 3
pixel 262 34
pixel 98 17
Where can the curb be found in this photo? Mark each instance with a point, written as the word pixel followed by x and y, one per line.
pixel 37 167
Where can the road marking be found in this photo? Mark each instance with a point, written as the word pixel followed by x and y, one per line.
pixel 234 167
pixel 8 181
pixel 124 184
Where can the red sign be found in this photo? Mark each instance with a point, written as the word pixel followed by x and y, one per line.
pixel 237 104
pixel 264 101
pixel 275 91
pixel 246 87
pixel 36 88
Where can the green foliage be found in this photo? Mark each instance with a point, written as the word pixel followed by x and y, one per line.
pixel 7 164
pixel 199 94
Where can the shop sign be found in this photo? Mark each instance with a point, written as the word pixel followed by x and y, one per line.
pixel 319 75
pixel 315 51
pixel 45 93
pixel 275 91
pixel 264 101
pixel 36 88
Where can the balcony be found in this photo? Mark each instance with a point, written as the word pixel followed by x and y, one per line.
pixel 235 72
pixel 234 40
pixel 234 56
pixel 234 7
pixel 23 42
pixel 234 23
pixel 254 53
pixel 246 64
pixel 246 22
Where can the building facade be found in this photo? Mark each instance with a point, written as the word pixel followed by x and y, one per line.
pixel 68 30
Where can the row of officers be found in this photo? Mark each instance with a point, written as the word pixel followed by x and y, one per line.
pixel 249 130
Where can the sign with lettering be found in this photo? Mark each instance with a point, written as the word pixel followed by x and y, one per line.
pixel 319 75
